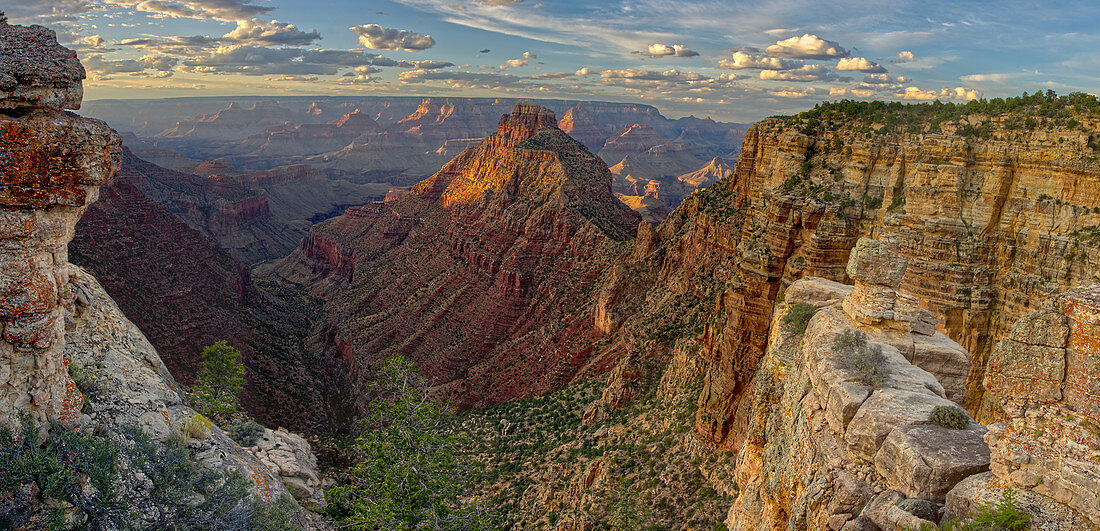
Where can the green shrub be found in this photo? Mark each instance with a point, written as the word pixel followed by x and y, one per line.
pixel 798 317
pixel 1001 516
pixel 865 360
pixel 409 473
pixel 949 417
pixel 246 433
pixel 57 464
pixel 85 471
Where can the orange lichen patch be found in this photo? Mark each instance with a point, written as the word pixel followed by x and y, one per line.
pixel 16 224
pixel 71 405
pixel 25 288
pixel 1082 384
pixel 260 479
pixel 38 329
pixel 167 419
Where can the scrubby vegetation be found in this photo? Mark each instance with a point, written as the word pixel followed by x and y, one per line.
pixel 949 417
pixel 408 473
pixel 1030 111
pixel 636 467
pixel 1004 515
pixel 88 474
pixel 246 432
pixel 865 360
pixel 798 317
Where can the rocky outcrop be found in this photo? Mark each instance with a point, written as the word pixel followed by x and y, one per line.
pixel 826 448
pixel 51 166
pixel 500 242
pixel 129 385
pixel 36 73
pixel 989 225
pixel 1044 374
pixel 290 457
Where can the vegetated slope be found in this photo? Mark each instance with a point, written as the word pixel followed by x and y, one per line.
pixel 481 274
pixel 185 293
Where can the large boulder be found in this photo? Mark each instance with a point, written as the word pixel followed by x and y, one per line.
pixel 36 72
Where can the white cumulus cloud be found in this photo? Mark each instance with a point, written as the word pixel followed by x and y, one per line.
pixel 806 47
pixel 746 61
pixel 676 50
pixel 860 64
pixel 944 93
pixel 804 74
pixel 378 38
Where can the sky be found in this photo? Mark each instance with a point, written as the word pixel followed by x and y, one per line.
pixel 731 60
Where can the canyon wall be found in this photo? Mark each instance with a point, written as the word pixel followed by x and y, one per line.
pixel 51 166
pixel 991 226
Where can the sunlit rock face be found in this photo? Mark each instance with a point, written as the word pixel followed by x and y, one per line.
pixel 478 272
pixel 51 166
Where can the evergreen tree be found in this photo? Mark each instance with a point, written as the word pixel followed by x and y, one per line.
pixel 218 385
pixel 409 474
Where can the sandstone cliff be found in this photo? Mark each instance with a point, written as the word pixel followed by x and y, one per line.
pixel 826 444
pixel 991 224
pixel 52 165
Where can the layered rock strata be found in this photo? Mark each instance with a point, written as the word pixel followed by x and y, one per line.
pixel 824 447
pixel 51 165
pixel 1045 374
pixel 476 268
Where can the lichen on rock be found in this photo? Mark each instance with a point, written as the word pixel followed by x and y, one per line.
pixel 51 165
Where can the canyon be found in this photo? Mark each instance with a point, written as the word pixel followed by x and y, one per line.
pixel 610 304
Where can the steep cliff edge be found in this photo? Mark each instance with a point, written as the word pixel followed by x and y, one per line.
pixel 834 435
pixel 995 210
pixel 51 166
pixel 85 402
pixel 475 273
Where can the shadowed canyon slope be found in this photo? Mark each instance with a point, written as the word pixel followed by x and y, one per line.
pixel 184 293
pixel 481 273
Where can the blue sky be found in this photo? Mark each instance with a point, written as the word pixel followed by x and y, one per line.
pixel 732 60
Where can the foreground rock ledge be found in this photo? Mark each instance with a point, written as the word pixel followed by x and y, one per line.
pixel 51 165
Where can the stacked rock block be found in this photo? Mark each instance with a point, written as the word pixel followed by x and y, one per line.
pixel 51 165
pixel 877 270
pixel 1047 377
